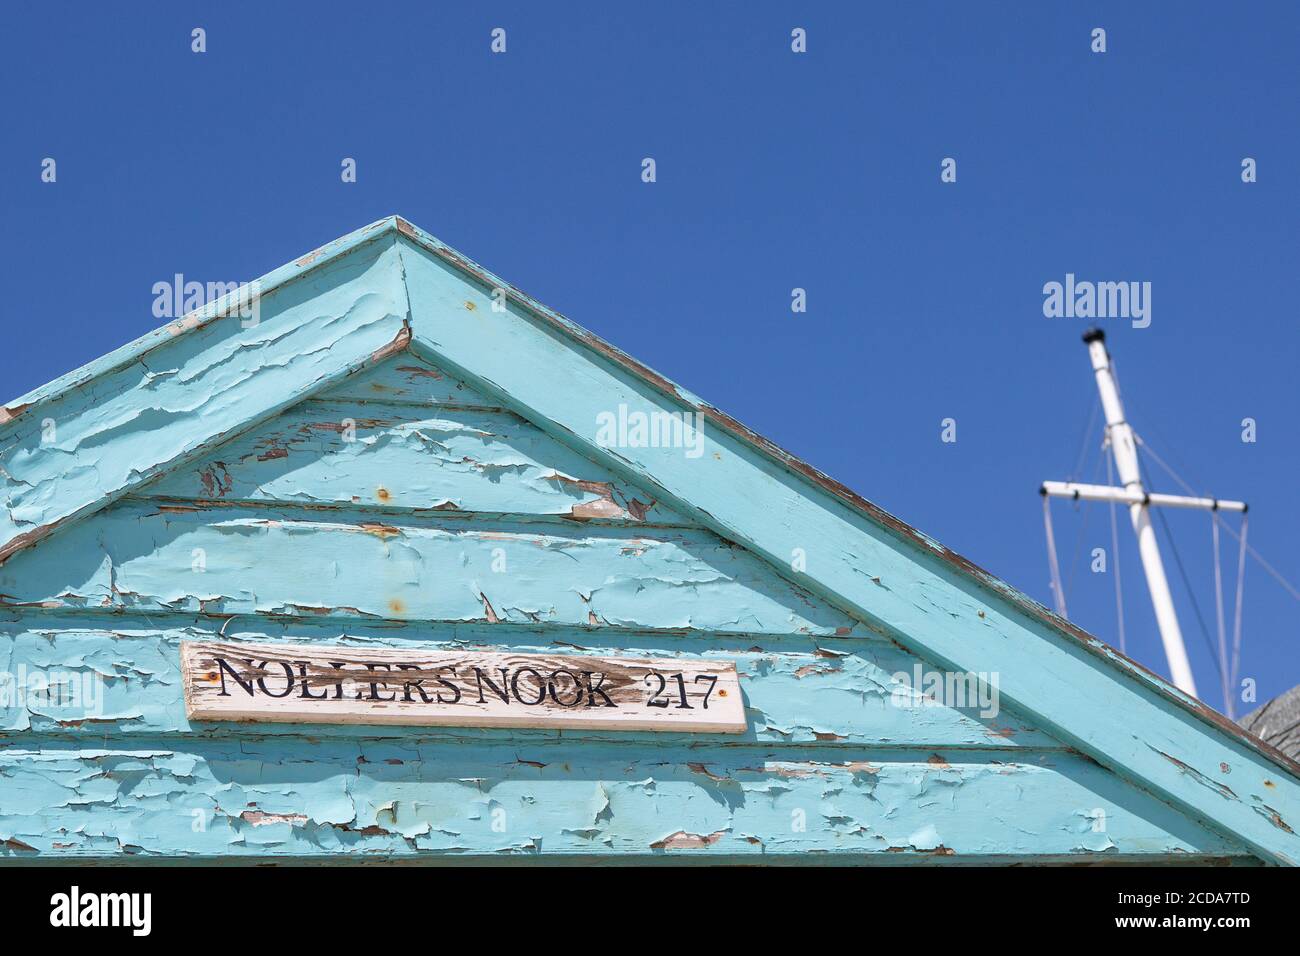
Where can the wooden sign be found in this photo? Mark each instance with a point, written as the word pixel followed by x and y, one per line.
pixel 345 685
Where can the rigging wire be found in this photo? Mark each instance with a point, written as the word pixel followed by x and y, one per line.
pixel 1083 527
pixel 1057 592
pixel 1058 589
pixel 1277 575
pixel 1114 553
pixel 1182 571
pixel 1224 675
pixel 1078 544
pixel 1241 584
pixel 1228 670
pixel 1187 584
pixel 1087 435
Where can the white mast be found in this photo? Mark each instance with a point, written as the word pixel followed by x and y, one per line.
pixel 1124 447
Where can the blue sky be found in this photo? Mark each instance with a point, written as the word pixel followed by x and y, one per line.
pixel 774 171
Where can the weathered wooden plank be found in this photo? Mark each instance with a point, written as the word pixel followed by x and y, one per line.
pixel 190 388
pixel 268 799
pixel 856 555
pixel 406 379
pixel 227 561
pixel 332 684
pixel 400 457
pixel 121 677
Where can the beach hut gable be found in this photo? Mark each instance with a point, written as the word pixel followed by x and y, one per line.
pixel 400 454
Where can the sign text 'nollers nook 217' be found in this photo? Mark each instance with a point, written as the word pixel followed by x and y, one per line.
pixel 345 685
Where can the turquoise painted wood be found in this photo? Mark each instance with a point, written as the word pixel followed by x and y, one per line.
pixel 386 460
pixel 799 690
pixel 188 388
pixel 275 797
pixel 395 456
pixel 140 555
pixel 407 379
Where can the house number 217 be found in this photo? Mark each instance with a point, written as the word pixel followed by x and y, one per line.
pixel 656 700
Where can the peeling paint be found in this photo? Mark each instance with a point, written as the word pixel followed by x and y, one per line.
pixel 351 468
pixel 141 417
pixel 271 799
pixel 136 556
pixel 136 658
pixel 463 460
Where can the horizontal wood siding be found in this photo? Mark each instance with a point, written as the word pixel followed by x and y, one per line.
pixel 406 379
pixel 401 509
pixel 239 561
pixel 263 798
pixel 400 457
pixel 797 690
